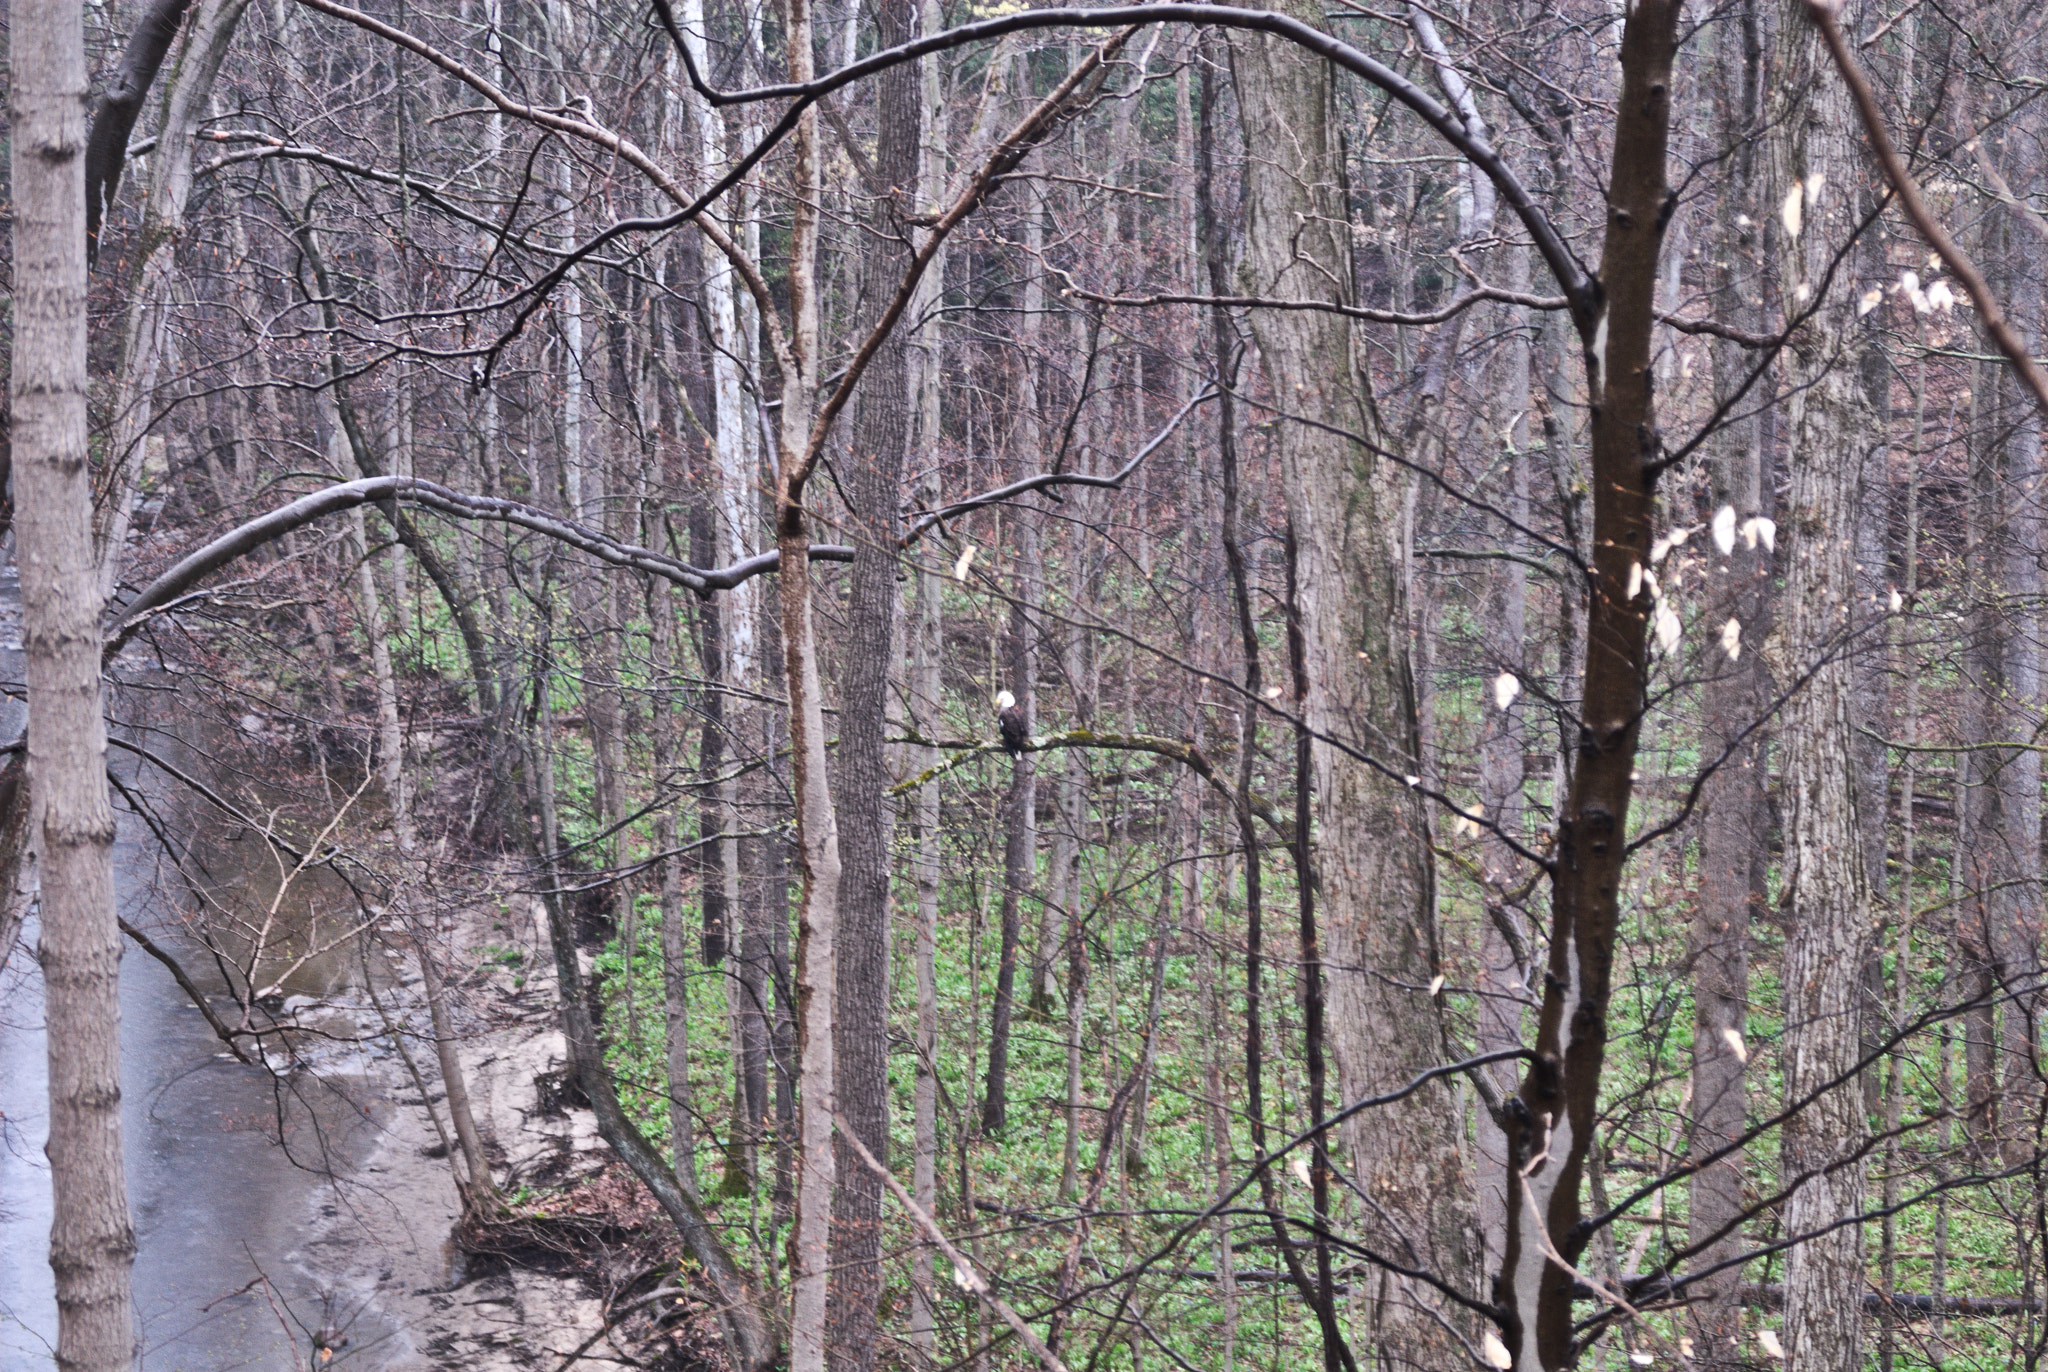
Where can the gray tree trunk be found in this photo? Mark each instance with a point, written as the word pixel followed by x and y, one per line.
pixel 867 817
pixel 2013 839
pixel 1830 429
pixel 92 1242
pixel 1505 968
pixel 1733 837
pixel 1373 854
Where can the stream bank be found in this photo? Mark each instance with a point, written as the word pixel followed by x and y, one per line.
pixel 305 1201
pixel 252 1239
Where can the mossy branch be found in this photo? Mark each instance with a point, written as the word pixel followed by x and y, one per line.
pixel 1179 750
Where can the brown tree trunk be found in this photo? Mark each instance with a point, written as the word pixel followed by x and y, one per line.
pixel 146 331
pixel 92 1242
pixel 1020 849
pixel 1505 972
pixel 675 939
pixel 1551 1122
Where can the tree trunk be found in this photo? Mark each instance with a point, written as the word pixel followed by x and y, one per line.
pixel 2015 841
pixel 1505 969
pixel 1733 839
pixel 880 433
pixel 1373 861
pixel 146 331
pixel 1551 1119
pixel 675 939
pixel 1829 433
pixel 926 643
pixel 1020 850
pixel 817 832
pixel 92 1242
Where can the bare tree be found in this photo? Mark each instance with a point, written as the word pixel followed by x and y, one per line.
pixel 92 1242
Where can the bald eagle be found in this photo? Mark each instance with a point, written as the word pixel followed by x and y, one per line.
pixel 1010 719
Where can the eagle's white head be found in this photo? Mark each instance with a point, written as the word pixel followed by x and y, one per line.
pixel 1004 700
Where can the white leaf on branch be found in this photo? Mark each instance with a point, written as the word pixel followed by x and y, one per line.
pixel 1733 1038
pixel 1665 621
pixel 1724 529
pixel 1663 546
pixel 1506 687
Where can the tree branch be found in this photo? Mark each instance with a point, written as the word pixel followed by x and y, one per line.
pixel 1046 480
pixel 1822 12
pixel 963 1269
pixel 106 147
pixel 1187 754
pixel 1579 287
pixel 369 490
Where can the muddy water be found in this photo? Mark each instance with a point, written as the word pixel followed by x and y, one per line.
pixel 232 1169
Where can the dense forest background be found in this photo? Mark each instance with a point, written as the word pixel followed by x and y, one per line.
pixel 1517 566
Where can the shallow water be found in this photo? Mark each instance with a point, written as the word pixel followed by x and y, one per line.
pixel 228 1166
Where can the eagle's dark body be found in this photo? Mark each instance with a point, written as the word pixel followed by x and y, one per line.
pixel 1016 732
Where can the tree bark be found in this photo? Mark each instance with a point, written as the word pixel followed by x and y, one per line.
pixel 146 332
pixel 675 939
pixel 92 1242
pixel 817 833
pixel 1020 848
pixel 1733 826
pixel 1551 1120
pixel 867 816
pixel 1373 859
pixel 1829 433
pixel 1505 968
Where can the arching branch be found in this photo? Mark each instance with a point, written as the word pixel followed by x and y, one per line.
pixel 1578 284
pixel 1048 480
pixel 240 541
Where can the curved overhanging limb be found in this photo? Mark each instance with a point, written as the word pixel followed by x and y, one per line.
pixel 183 576
pixel 188 571
pixel 1579 285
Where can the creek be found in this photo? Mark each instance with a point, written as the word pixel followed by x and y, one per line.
pixel 235 1172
